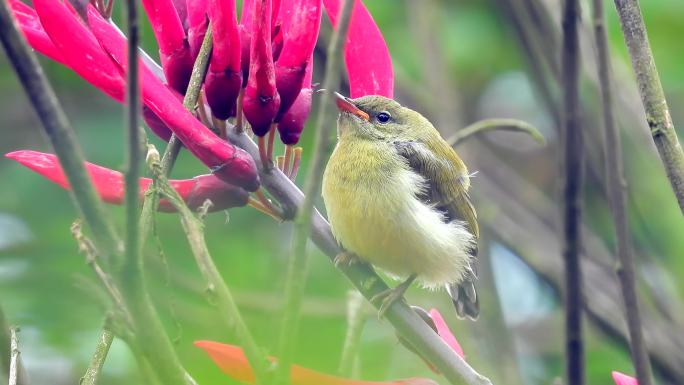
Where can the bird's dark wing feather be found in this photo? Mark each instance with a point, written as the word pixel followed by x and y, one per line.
pixel 447 190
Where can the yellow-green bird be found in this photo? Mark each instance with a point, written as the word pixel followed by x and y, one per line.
pixel 397 197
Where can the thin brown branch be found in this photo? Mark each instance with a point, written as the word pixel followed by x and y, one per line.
pixel 573 170
pixel 617 195
pixel 92 374
pixel 485 125
pixel 652 96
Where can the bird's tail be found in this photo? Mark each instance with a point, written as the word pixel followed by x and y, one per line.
pixel 464 297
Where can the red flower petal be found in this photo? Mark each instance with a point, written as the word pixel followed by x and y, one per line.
pixel 232 361
pixel 623 379
pixel 368 61
pixel 301 20
pixel 261 100
pixel 30 25
pixel 224 79
pixel 444 332
pixel 292 123
pixel 80 50
pixel 174 50
pixel 109 184
pixel 229 163
pixel 197 24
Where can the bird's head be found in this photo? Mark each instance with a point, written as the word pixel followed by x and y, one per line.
pixel 376 117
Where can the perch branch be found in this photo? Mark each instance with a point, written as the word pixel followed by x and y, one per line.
pixel 485 125
pixel 297 267
pixel 652 96
pixel 92 374
pixel 573 159
pixel 617 195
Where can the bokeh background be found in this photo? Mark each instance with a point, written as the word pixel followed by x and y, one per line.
pixel 457 62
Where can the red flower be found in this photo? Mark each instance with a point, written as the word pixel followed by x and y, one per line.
pixel 197 24
pixel 623 379
pixel 174 49
pixel 224 78
pixel 232 362
pixel 261 101
pixel 109 184
pixel 292 123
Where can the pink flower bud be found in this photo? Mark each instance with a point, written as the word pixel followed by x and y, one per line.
pixel 292 123
pixel 261 100
pixel 30 25
pixel 174 49
pixel 623 379
pixel 197 24
pixel 109 184
pixel 301 20
pixel 224 78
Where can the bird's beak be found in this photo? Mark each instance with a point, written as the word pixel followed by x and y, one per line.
pixel 344 104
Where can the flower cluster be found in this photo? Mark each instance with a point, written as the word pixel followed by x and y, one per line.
pixel 260 67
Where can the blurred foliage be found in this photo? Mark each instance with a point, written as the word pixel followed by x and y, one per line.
pixel 47 289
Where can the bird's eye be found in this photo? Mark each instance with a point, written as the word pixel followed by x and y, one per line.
pixel 383 117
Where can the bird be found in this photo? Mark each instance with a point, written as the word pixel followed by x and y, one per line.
pixel 396 196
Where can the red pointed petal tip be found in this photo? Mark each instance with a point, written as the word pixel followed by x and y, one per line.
pixel 197 24
pixel 232 362
pixel 623 379
pixel 366 56
pixel 444 332
pixel 79 48
pixel 109 184
pixel 224 78
pixel 301 20
pixel 29 23
pixel 174 49
pixel 261 100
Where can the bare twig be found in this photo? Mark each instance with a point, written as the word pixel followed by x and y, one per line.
pixel 573 164
pixel 652 95
pixel 14 357
pixel 217 287
pixel 356 319
pixel 92 374
pixel 617 195
pixel 7 341
pixel 58 130
pixel 485 125
pixel 297 268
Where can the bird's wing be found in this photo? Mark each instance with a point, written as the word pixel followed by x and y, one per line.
pixel 447 190
pixel 447 180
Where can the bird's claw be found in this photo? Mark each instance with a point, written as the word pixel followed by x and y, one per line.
pixel 345 258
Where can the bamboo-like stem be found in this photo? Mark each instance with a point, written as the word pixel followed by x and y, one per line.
pixel 14 357
pixel 617 195
pixel 216 285
pixel 6 353
pixel 92 374
pixel 356 319
pixel 573 164
pixel 652 95
pixel 404 320
pixel 503 124
pixel 297 267
pixel 60 134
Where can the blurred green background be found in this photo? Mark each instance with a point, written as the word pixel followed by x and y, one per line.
pixel 458 61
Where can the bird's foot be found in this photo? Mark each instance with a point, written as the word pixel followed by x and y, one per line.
pixel 387 297
pixel 345 258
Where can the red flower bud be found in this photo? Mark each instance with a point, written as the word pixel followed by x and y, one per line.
pixel 245 38
pixel 366 56
pixel 224 78
pixel 30 25
pixel 623 379
pixel 261 100
pixel 301 20
pixel 110 185
pixel 197 24
pixel 292 123
pixel 174 49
